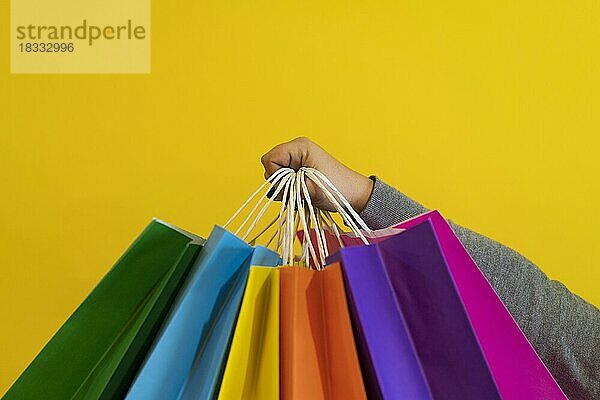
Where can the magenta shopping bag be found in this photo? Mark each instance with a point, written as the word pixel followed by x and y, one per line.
pixel 518 371
pixel 415 339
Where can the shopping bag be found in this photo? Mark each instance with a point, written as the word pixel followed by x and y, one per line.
pixel 416 340
pixel 175 360
pixel 98 350
pixel 252 369
pixel 517 369
pixel 207 371
pixel 318 353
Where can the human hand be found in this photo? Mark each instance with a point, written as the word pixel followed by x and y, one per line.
pixel 302 152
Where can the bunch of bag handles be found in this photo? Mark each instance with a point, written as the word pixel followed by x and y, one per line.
pixel 297 210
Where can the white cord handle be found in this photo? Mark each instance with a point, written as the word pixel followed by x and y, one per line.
pixel 316 177
pixel 270 181
pixel 297 211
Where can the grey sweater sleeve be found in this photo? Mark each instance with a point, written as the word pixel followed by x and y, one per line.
pixel 562 327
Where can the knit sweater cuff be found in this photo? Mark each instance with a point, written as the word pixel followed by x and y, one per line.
pixel 387 206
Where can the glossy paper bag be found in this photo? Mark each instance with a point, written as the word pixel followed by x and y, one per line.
pixel 437 330
pixel 389 363
pixel 318 353
pixel 193 319
pixel 517 369
pixel 207 371
pixel 252 369
pixel 97 352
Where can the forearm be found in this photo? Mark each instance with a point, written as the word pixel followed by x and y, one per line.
pixel 562 327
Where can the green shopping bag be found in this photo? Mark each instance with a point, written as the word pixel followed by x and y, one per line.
pixel 97 352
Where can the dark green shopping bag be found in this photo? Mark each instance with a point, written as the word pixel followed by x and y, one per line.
pixel 97 352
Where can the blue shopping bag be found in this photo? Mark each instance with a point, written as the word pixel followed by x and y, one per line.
pixel 188 354
pixel 205 377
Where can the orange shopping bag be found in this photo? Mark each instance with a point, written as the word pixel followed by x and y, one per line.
pixel 318 357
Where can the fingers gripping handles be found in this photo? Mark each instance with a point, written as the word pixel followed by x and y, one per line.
pixel 297 211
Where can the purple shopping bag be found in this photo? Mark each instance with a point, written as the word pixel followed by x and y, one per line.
pixel 518 371
pixel 414 336
pixel 389 371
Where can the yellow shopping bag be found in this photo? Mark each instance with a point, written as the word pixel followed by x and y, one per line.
pixel 252 369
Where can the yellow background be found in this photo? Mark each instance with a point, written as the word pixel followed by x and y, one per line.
pixel 488 112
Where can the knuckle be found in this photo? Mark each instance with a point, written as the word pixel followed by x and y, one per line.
pixel 264 159
pixel 302 139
